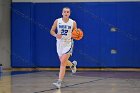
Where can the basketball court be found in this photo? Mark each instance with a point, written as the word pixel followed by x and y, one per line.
pixel 81 82
pixel 107 49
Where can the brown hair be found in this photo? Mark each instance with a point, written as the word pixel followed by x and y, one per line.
pixel 66 8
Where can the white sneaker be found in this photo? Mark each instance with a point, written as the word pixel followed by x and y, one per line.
pixel 73 67
pixel 57 84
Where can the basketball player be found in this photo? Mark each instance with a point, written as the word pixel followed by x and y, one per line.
pixel 64 26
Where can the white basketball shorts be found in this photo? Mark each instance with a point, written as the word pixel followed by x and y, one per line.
pixel 64 47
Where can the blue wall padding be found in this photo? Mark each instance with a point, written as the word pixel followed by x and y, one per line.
pixel 33 46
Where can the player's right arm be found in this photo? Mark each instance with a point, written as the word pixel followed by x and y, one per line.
pixel 53 29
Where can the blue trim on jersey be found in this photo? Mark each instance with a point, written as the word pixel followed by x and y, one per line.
pixel 71 49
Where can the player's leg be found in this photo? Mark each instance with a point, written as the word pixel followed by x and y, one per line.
pixel 63 60
pixel 73 64
pixel 63 63
pixel 69 63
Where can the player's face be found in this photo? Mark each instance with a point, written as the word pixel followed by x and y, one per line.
pixel 66 13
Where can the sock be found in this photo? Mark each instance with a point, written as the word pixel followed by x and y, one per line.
pixel 59 80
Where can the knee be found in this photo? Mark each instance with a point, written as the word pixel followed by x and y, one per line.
pixel 63 63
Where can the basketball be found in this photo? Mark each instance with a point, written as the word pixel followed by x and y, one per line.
pixel 77 34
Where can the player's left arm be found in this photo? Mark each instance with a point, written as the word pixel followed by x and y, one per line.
pixel 74 25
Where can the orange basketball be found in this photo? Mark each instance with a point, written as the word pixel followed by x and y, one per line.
pixel 77 34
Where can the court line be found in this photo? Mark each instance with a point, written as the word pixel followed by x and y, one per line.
pixel 92 81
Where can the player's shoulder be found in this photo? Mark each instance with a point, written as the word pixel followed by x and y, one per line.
pixel 56 20
pixel 74 23
pixel 59 19
pixel 73 20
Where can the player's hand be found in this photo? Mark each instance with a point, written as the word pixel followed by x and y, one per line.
pixel 58 36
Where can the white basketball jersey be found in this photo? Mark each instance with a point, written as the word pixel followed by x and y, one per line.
pixel 65 29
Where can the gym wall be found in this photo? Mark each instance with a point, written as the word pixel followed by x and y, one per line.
pixel 111 33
